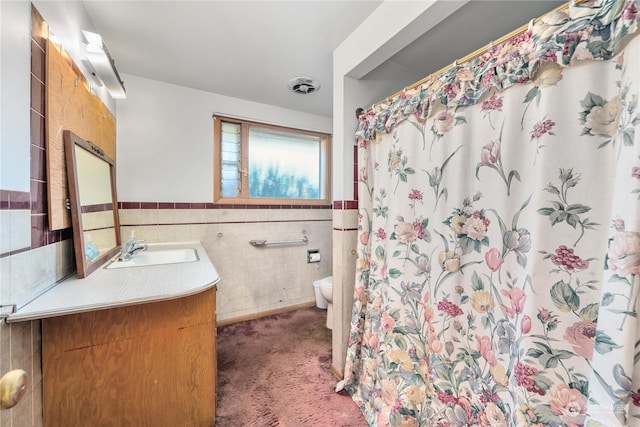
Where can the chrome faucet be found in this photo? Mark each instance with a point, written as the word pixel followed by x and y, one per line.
pixel 131 248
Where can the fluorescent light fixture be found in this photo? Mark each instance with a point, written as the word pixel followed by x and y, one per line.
pixel 102 66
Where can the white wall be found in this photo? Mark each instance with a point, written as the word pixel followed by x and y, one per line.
pixel 165 138
pixel 164 132
pixel 390 28
pixel 165 154
pixel 15 60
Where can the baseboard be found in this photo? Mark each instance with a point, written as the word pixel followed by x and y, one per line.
pixel 337 372
pixel 253 316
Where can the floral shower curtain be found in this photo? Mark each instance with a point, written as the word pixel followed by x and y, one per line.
pixel 499 236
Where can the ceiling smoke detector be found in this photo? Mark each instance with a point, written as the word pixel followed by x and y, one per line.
pixel 303 85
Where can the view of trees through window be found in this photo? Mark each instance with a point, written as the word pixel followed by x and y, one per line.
pixel 283 165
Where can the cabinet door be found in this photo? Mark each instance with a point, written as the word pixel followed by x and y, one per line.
pixel 150 364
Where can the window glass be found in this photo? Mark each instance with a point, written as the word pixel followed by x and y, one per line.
pixel 265 164
pixel 230 159
pixel 283 165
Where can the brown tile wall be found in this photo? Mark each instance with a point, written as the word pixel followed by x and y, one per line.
pixel 201 205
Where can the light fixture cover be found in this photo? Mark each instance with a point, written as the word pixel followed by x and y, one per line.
pixel 102 66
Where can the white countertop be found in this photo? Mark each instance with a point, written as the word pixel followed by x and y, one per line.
pixel 110 288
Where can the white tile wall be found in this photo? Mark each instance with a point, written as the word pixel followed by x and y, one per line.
pixel 344 258
pixel 253 280
pixel 15 230
pixel 93 220
pixel 5 231
pixel 20 229
pixel 22 276
pixel 28 273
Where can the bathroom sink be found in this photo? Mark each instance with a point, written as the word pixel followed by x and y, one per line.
pixel 157 257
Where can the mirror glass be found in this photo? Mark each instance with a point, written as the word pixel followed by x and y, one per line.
pixel 94 213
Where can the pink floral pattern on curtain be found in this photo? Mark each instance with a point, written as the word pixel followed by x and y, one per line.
pixel 499 251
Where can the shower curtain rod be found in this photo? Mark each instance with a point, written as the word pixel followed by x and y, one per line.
pixel 481 51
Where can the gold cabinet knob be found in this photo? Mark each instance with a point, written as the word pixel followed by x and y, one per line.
pixel 13 385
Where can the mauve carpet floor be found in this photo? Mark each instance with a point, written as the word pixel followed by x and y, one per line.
pixel 276 372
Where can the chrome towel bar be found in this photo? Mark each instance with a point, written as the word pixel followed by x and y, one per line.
pixel 260 243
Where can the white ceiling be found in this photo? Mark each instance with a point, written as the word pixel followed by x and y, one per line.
pixel 471 27
pixel 251 49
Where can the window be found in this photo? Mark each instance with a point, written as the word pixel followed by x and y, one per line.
pixel 264 164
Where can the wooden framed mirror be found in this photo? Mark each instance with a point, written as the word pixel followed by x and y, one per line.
pixel 94 209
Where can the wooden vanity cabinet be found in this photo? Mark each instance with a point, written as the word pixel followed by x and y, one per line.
pixel 143 365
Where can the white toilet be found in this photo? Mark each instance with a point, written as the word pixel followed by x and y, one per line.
pixel 324 297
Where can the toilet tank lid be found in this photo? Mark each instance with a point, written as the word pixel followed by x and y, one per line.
pixel 328 280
